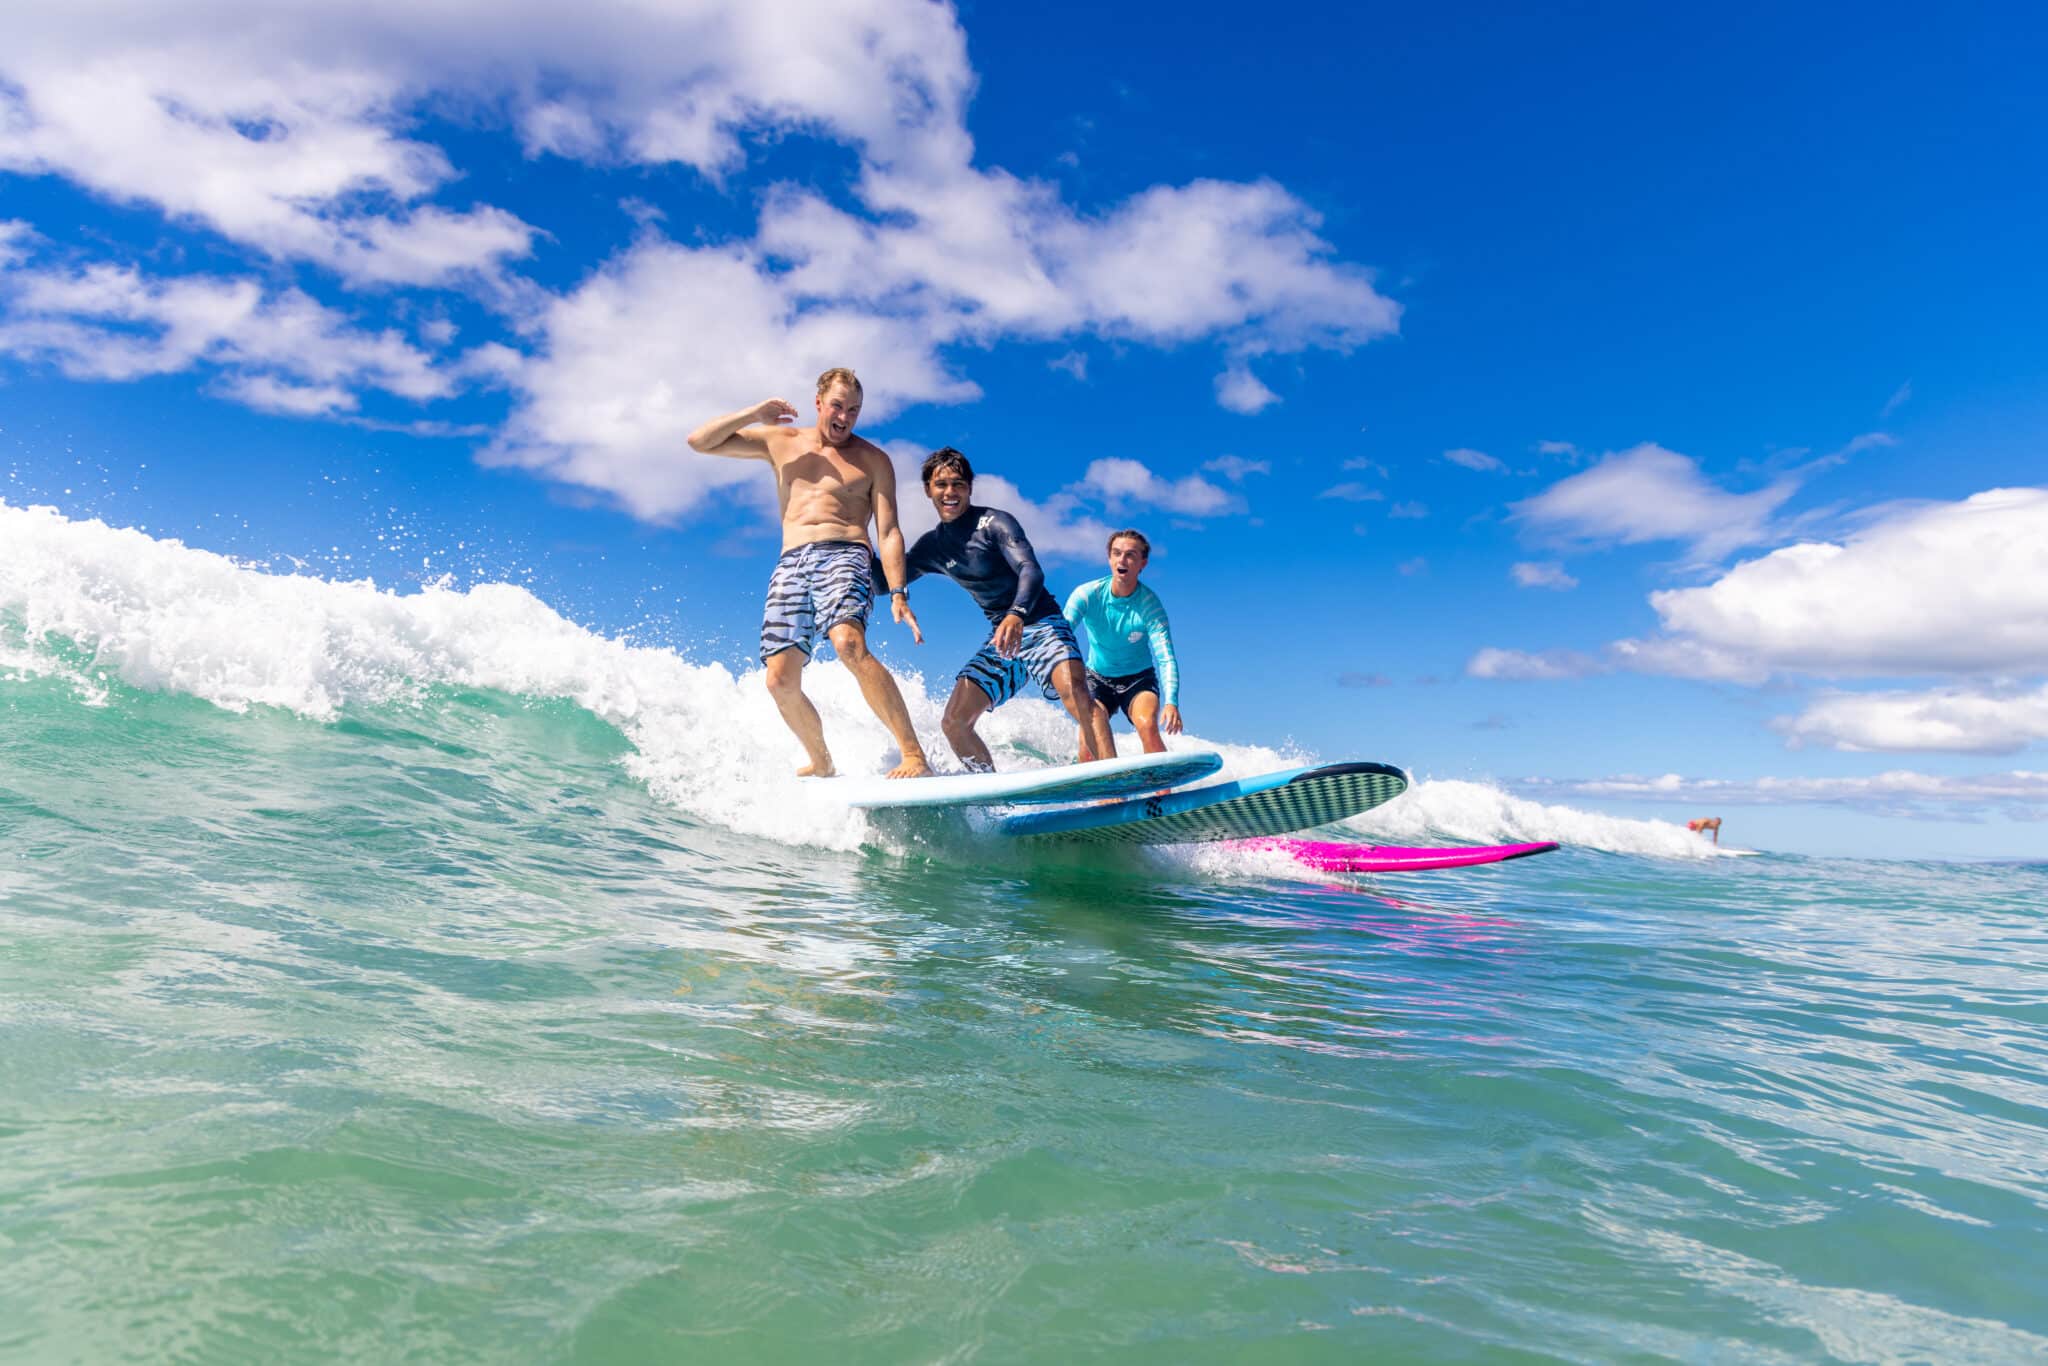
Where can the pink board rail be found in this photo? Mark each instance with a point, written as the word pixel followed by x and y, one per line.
pixel 1388 858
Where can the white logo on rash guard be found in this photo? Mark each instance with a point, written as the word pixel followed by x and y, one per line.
pixel 1135 636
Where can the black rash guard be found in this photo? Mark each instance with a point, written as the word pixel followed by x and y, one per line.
pixel 986 552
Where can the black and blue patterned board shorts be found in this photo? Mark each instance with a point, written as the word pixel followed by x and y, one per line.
pixel 814 588
pixel 1048 643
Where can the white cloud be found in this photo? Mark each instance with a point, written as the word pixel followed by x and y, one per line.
pixel 1241 391
pixel 1520 665
pixel 297 131
pixel 1236 467
pixel 269 394
pixel 1542 574
pixel 1409 511
pixel 666 337
pixel 1408 569
pixel 1956 721
pixel 1370 466
pixel 1353 493
pixel 1119 481
pixel 1648 493
pixel 1899 397
pixel 1556 448
pixel 1942 588
pixel 1475 460
pixel 2020 794
pixel 109 323
pixel 1074 363
pixel 15 236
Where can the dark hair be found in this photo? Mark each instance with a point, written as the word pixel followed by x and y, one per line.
pixel 945 457
pixel 1133 534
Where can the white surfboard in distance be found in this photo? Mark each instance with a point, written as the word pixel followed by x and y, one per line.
pixel 1030 786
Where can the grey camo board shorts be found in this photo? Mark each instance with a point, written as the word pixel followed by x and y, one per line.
pixel 814 588
pixel 1048 643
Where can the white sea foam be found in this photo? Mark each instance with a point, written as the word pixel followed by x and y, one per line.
pixel 96 603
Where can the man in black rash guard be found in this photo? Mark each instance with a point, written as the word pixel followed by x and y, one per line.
pixel 986 552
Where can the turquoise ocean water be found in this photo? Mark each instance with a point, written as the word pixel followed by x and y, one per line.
pixel 424 978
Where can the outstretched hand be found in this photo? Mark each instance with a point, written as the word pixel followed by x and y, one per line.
pixel 899 608
pixel 775 411
pixel 1169 719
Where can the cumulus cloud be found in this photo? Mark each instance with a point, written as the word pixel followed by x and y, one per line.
pixel 2020 794
pixel 1646 494
pixel 1521 665
pixel 1941 588
pixel 666 337
pixel 1120 482
pixel 1542 574
pixel 1950 720
pixel 1475 460
pixel 1235 468
pixel 300 132
pixel 1241 391
pixel 15 237
pixel 280 351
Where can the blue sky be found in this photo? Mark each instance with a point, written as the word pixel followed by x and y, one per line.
pixel 1615 405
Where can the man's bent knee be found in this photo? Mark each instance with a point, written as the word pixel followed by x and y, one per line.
pixel 785 670
pixel 851 642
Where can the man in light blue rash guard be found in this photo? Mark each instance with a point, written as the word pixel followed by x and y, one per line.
pixel 985 551
pixel 1131 667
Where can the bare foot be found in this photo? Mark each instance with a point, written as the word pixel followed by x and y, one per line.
pixel 822 769
pixel 913 766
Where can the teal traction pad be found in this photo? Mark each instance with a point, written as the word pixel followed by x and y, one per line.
pixel 1272 804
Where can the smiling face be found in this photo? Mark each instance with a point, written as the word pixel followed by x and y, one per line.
pixel 1127 560
pixel 949 492
pixel 838 410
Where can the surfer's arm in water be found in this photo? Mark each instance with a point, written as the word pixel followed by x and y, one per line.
pixel 744 434
pixel 889 544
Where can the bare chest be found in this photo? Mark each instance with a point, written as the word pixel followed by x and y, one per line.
pixel 824 474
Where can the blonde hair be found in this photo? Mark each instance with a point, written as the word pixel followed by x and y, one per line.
pixel 838 374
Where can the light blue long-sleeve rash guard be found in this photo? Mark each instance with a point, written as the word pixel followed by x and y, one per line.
pixel 1126 635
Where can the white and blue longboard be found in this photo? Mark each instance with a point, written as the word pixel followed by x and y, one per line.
pixel 1065 783
pixel 1269 804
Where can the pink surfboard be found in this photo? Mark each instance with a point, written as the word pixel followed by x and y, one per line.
pixel 1388 858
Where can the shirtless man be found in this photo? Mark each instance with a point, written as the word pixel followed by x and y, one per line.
pixel 1704 824
pixel 1131 667
pixel 985 552
pixel 829 483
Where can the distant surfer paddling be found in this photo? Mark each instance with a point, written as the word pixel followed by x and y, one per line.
pixel 830 484
pixel 985 551
pixel 1131 667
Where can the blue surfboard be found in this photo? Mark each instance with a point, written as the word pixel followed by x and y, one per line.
pixel 1031 786
pixel 1269 804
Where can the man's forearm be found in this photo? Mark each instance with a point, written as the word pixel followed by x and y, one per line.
pixel 893 567
pixel 719 430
